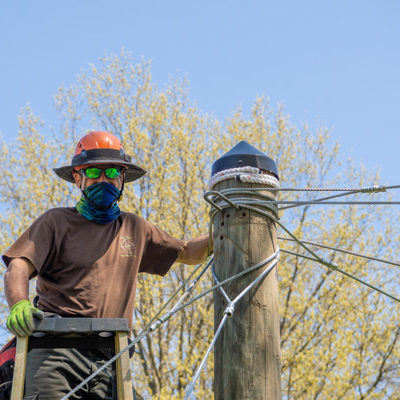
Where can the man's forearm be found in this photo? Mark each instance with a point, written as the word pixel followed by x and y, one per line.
pixel 195 250
pixel 16 280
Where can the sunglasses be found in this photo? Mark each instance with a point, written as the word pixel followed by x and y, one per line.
pixel 95 172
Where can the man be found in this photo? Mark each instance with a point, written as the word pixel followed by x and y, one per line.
pixel 86 260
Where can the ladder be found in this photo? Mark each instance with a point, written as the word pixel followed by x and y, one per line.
pixel 87 333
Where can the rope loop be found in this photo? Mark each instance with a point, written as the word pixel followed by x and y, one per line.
pixel 244 174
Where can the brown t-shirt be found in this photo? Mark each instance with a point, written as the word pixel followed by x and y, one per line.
pixel 90 270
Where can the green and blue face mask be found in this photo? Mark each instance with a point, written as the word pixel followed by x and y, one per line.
pixel 99 203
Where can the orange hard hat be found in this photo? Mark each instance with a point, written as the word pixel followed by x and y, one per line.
pixel 98 140
pixel 100 147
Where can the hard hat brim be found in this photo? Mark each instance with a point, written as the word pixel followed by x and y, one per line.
pixel 132 171
pixel 101 156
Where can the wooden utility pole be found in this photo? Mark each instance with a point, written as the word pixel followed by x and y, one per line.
pixel 247 354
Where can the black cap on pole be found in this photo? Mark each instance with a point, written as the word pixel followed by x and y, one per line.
pixel 244 155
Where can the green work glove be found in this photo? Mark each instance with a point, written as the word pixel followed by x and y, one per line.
pixel 20 322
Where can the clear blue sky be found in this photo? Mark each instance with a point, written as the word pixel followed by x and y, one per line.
pixel 337 62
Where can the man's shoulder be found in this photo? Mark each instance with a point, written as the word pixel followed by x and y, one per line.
pixel 129 218
pixel 58 213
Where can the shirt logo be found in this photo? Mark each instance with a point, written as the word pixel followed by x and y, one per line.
pixel 127 246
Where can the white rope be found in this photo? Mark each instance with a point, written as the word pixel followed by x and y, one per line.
pixel 367 189
pixel 244 174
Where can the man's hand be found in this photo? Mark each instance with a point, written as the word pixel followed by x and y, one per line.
pixel 20 322
pixel 16 285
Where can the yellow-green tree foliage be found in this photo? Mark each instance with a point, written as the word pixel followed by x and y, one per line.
pixel 339 339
